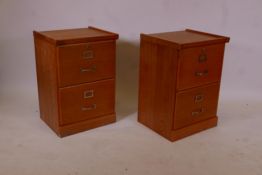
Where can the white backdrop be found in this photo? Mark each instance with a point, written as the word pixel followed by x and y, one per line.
pixel 241 20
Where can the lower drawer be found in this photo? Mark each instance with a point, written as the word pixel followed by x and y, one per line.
pixel 86 101
pixel 195 105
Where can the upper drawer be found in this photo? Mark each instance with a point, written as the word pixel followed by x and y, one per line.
pixel 86 101
pixel 195 105
pixel 200 65
pixel 86 62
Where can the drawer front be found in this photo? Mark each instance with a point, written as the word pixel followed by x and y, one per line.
pixel 195 105
pixel 200 65
pixel 86 62
pixel 86 101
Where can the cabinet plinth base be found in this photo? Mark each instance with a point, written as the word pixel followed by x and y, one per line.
pixel 175 135
pixel 194 128
pixel 85 125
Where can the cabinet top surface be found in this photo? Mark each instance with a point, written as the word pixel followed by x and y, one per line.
pixel 188 36
pixel 85 34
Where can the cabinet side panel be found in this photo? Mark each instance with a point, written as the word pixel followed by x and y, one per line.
pixel 158 64
pixel 46 68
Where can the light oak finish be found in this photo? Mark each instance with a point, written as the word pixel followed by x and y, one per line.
pixel 179 81
pixel 76 78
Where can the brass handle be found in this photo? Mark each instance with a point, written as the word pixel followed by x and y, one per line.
pixel 89 108
pixel 202 57
pixel 199 98
pixel 88 54
pixel 197 112
pixel 90 69
pixel 200 74
pixel 89 94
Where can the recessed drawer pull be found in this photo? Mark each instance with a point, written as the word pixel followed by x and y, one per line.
pixel 197 112
pixel 88 54
pixel 200 74
pixel 199 98
pixel 89 108
pixel 90 69
pixel 89 94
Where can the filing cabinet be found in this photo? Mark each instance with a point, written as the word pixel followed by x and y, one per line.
pixel 179 81
pixel 76 78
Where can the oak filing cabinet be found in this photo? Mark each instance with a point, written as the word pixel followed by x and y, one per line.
pixel 179 82
pixel 76 78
